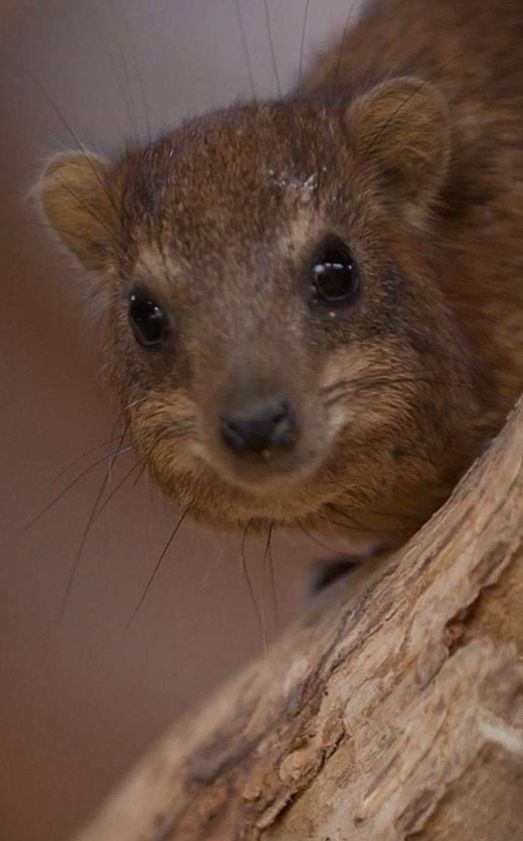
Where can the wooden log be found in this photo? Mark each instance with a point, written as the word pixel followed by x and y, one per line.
pixel 393 710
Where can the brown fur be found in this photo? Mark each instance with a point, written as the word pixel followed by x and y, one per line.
pixel 406 141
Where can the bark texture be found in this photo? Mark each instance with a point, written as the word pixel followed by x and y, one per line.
pixel 392 711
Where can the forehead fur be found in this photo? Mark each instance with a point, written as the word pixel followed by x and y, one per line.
pixel 235 174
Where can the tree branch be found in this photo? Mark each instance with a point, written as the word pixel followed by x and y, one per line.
pixel 393 710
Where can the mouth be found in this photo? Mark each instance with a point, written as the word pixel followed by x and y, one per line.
pixel 266 490
pixel 265 465
pixel 266 473
pixel 227 482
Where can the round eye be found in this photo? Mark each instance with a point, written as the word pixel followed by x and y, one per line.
pixel 335 275
pixel 149 322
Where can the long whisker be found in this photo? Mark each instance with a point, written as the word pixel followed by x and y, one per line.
pixel 129 33
pixel 352 526
pixel 117 487
pixel 115 71
pixel 375 378
pixel 85 533
pixel 129 87
pixel 124 87
pixel 268 561
pixel 67 187
pixel 158 565
pixel 370 381
pixel 271 45
pixel 245 46
pixel 74 482
pixel 346 26
pixel 316 540
pixel 302 44
pixel 252 595
pixel 365 387
pixel 375 138
pixel 116 242
pixel 81 148
pixel 77 460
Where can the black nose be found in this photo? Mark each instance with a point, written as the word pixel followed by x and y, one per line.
pixel 261 429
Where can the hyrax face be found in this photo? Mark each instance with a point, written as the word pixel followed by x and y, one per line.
pixel 281 351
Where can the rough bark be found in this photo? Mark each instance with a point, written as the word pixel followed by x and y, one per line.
pixel 393 710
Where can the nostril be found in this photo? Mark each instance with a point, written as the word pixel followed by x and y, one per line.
pixel 265 428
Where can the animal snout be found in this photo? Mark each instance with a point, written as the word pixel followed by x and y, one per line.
pixel 259 429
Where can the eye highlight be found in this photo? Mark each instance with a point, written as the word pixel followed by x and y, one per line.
pixel 334 273
pixel 149 323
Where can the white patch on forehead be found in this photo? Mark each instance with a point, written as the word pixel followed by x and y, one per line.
pixel 304 225
pixel 310 185
pixel 303 189
pixel 301 231
pixel 153 265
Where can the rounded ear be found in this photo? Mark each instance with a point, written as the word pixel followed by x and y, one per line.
pixel 76 198
pixel 402 128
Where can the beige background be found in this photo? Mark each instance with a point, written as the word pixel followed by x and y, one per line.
pixel 80 699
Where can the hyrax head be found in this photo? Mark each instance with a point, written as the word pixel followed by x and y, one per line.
pixel 280 347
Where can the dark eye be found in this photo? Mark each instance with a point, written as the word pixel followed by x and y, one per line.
pixel 335 275
pixel 149 322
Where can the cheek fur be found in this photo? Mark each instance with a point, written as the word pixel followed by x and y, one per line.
pixel 360 378
pixel 163 416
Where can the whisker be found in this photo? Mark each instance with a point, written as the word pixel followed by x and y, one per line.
pixel 117 487
pixel 158 565
pixel 85 533
pixel 74 482
pixel 114 239
pixel 141 472
pixel 129 33
pixel 245 46
pixel 252 595
pixel 346 26
pixel 79 145
pixel 77 460
pixel 302 45
pixel 316 540
pixel 271 45
pixel 81 148
pixel 379 381
pixel 268 561
pixel 374 139
pixel 119 418
pixel 160 435
pixel 382 129
pixel 131 104
pixel 115 73
pixel 67 187
pixel 213 565
pixel 372 379
pixel 346 526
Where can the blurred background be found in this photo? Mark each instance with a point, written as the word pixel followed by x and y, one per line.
pixel 82 697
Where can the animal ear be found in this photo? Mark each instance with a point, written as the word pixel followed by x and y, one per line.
pixel 76 197
pixel 401 127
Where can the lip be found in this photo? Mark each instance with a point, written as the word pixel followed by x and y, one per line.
pixel 263 476
pixel 261 479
